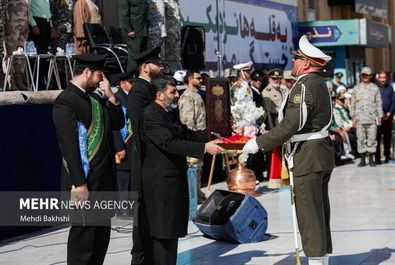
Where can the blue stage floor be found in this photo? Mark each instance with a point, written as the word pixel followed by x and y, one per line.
pixel 363 229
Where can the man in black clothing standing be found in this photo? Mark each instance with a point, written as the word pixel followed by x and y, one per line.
pixel 77 107
pixel 165 144
pixel 123 141
pixel 149 64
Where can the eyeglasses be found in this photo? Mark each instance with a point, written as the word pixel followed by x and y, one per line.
pixel 198 78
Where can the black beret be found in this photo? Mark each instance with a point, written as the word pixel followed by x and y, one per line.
pixel 131 75
pixel 149 56
pixel 91 61
pixel 256 75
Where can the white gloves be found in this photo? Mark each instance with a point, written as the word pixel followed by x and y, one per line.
pixel 251 147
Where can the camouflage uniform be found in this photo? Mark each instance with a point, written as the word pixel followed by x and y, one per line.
pixel 173 39
pixel 18 19
pixel 2 21
pixel 193 115
pixel 165 30
pixel 276 95
pixel 366 109
pixel 62 20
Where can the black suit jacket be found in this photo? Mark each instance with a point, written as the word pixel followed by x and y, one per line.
pixel 73 105
pixel 119 143
pixel 138 99
pixel 165 145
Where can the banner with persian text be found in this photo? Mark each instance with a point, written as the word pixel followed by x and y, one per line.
pixel 250 30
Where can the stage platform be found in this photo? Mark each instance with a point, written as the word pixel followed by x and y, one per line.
pixel 363 229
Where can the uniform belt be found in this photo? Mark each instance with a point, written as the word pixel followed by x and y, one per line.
pixel 308 136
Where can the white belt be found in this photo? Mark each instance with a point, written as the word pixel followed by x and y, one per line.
pixel 308 136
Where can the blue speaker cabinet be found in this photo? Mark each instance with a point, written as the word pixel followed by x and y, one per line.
pixel 232 216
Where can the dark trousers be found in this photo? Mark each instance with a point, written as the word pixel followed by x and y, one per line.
pixel 161 252
pixel 313 212
pixel 257 162
pixel 135 47
pixel 88 244
pixel 123 182
pixel 384 131
pixel 42 41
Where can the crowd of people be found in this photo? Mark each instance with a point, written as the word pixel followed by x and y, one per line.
pixel 150 132
pixel 53 24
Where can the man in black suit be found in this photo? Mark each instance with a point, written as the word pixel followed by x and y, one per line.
pixel 123 142
pixel 165 145
pixel 77 107
pixel 149 64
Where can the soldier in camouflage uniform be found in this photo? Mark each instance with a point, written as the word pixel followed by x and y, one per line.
pixel 273 90
pixel 193 115
pixel 16 33
pixel 164 30
pixel 366 112
pixel 2 21
pixel 62 21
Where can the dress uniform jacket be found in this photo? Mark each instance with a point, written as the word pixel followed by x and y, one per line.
pixel 119 143
pixel 138 99
pixel 165 145
pixel 313 160
pixel 314 155
pixel 74 105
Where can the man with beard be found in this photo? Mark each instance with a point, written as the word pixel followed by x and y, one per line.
pixel 273 90
pixel 149 64
pixel 385 130
pixel 165 144
pixel 77 108
pixel 304 119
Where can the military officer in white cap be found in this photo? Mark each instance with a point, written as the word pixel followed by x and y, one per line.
pixel 241 86
pixel 304 118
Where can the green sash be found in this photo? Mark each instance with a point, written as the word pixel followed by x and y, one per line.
pixel 96 129
pixel 91 140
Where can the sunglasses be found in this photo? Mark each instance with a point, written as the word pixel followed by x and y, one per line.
pixel 198 78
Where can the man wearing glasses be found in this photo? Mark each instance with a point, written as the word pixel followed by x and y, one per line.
pixel 304 119
pixel 273 90
pixel 193 115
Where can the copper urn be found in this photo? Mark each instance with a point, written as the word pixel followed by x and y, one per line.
pixel 242 179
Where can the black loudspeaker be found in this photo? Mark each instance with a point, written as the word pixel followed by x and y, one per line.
pixel 232 216
pixel 193 49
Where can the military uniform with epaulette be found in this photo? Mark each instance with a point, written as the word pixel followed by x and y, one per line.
pixel 304 119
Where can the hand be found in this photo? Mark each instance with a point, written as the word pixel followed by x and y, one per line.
pixel 343 136
pixel 8 28
pixel 378 122
pixel 251 147
pixel 132 35
pixel 212 148
pixel 81 192
pixel 121 154
pixel 54 33
pixel 36 30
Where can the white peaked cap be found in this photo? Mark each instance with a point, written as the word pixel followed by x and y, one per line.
pixel 310 52
pixel 243 66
